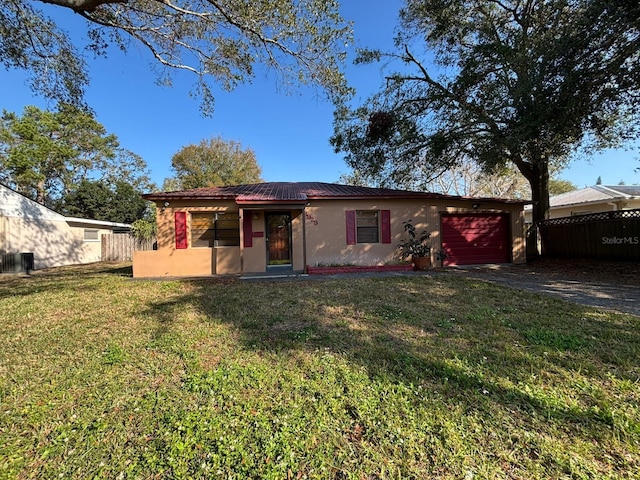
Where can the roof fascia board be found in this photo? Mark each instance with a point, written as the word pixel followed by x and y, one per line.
pixel 156 197
pixel 104 223
pixel 280 203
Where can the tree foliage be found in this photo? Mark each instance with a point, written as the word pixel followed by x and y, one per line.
pixel 223 40
pixel 557 186
pixel 44 155
pixel 212 163
pixel 97 200
pixel 515 82
pixel 144 229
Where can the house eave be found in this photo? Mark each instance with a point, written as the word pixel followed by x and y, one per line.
pixel 270 205
pixel 299 196
pixel 587 203
pixel 158 197
pixel 96 223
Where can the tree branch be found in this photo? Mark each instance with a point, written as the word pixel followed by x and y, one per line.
pixel 82 5
pixel 461 101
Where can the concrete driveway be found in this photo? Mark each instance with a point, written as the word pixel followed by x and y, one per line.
pixel 607 285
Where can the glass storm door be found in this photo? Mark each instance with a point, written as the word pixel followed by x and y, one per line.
pixel 278 238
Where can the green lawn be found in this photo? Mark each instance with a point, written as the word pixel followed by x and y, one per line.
pixel 103 376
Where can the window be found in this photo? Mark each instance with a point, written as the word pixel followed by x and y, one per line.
pixel 91 235
pixel 367 226
pixel 215 229
pixel 202 232
pixel 227 230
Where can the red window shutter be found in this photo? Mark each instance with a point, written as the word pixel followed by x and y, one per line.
pixel 385 225
pixel 247 229
pixel 181 230
pixel 351 227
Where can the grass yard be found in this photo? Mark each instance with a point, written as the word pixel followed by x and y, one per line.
pixel 103 376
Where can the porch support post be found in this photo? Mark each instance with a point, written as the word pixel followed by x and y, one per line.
pixel 304 238
pixel 241 214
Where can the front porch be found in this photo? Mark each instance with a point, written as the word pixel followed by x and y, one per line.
pixel 273 239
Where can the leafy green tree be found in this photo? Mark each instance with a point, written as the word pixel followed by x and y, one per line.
pixel 119 202
pixel 356 178
pixel 171 184
pixel 520 82
pixel 44 154
pixel 144 229
pixel 557 186
pixel 212 163
pixel 223 40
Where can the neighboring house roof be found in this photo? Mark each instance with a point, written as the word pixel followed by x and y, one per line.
pixel 96 223
pixel 631 191
pixel 14 204
pixel 300 192
pixel 595 194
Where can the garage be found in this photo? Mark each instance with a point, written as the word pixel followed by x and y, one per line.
pixel 479 238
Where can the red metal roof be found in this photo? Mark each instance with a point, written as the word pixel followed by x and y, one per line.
pixel 297 192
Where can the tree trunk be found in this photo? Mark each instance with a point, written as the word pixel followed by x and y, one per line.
pixel 539 182
pixel 536 171
pixel 40 192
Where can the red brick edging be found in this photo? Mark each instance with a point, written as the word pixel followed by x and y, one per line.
pixel 358 269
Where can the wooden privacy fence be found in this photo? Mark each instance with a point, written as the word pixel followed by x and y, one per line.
pixel 606 235
pixel 119 247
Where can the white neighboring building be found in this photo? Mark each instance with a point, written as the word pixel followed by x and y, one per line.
pixel 596 199
pixel 55 240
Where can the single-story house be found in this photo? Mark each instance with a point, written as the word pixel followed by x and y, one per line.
pixel 285 227
pixel 53 239
pixel 595 199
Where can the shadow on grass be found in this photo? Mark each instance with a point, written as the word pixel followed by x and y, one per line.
pixel 479 344
pixel 119 270
pixel 60 279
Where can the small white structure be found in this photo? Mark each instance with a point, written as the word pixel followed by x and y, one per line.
pixel 55 240
pixel 595 199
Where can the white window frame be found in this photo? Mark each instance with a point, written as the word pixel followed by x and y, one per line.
pixel 88 238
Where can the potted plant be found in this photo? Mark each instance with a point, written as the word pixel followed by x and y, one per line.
pixel 416 246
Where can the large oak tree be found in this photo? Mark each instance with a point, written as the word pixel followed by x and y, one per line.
pixel 520 82
pixel 301 40
pixel 45 155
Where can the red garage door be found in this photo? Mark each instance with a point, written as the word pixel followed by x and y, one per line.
pixel 469 239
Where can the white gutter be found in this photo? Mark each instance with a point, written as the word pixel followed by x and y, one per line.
pixel 97 222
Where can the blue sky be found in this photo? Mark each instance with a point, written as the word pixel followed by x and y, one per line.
pixel 289 132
